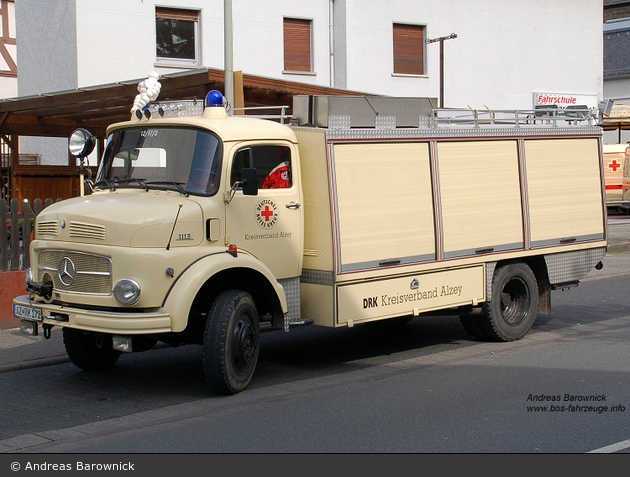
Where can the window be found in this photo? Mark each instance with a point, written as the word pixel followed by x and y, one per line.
pixel 408 49
pixel 297 45
pixel 272 163
pixel 176 36
pixel 162 158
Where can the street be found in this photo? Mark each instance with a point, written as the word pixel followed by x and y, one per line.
pixel 427 387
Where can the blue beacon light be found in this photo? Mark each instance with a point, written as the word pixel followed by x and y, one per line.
pixel 214 99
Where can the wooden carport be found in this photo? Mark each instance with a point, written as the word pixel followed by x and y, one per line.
pixel 57 114
pixel 618 120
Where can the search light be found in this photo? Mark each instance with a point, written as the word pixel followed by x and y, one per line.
pixel 81 143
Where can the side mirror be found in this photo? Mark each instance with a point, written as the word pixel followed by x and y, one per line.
pixel 81 143
pixel 250 181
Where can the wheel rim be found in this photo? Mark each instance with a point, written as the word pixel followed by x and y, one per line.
pixel 245 344
pixel 515 301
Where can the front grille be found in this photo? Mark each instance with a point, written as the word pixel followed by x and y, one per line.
pixel 76 272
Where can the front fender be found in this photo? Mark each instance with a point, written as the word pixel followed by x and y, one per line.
pixel 183 292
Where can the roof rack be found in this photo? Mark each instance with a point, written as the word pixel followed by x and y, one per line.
pixel 345 112
pixel 282 116
pixel 540 116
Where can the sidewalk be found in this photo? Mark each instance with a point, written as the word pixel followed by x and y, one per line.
pixel 618 238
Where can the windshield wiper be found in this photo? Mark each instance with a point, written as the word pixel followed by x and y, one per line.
pixel 178 186
pixel 105 184
pixel 116 182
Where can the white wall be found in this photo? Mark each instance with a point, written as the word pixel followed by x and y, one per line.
pixel 116 38
pixel 47 62
pixel 618 89
pixel 504 50
pixel 8 88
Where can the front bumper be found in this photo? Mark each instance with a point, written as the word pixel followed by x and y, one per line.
pixel 125 323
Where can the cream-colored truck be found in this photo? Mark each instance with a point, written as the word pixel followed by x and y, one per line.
pixel 204 227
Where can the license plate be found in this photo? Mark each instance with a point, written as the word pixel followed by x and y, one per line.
pixel 27 312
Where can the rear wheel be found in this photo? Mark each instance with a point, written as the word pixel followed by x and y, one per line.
pixel 231 342
pixel 89 351
pixel 511 312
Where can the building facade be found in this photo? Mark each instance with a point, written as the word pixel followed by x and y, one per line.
pixel 8 53
pixel 477 52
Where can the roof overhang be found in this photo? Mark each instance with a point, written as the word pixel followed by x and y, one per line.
pixel 94 108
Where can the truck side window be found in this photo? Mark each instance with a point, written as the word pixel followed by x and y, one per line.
pixel 272 164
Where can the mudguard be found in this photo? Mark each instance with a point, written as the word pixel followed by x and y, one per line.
pixel 185 289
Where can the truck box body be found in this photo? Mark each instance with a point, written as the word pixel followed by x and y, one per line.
pixel 407 220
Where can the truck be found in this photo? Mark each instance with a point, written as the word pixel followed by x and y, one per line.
pixel 625 183
pixel 614 158
pixel 206 227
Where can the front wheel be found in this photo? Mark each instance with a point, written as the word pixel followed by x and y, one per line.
pixel 511 312
pixel 231 342
pixel 89 351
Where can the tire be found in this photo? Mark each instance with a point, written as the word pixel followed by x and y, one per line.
pixel 511 312
pixel 89 351
pixel 231 342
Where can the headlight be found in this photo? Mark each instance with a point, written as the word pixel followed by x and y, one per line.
pixel 127 291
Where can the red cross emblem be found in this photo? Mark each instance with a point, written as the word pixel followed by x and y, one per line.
pixel 614 165
pixel 266 213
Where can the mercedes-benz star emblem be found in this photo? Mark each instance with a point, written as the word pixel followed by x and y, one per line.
pixel 66 271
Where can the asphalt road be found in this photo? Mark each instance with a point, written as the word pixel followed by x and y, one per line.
pixel 427 387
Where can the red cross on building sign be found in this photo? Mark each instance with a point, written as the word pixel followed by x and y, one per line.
pixel 614 165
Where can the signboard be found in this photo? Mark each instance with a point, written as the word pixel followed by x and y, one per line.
pixel 563 100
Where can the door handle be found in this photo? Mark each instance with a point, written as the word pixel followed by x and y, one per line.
pixel 293 205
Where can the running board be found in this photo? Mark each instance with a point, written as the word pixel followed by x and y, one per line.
pixel 300 323
pixel 266 326
pixel 565 285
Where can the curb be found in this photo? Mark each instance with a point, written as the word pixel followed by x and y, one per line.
pixel 619 247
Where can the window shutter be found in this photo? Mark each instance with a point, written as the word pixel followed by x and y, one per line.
pixel 297 45
pixel 177 14
pixel 408 49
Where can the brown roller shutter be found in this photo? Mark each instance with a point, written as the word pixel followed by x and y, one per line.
pixel 408 49
pixel 176 14
pixel 297 45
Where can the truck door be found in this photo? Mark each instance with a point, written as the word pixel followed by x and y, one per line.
pixel 268 225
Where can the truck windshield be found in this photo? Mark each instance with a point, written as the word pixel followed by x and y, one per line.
pixel 166 158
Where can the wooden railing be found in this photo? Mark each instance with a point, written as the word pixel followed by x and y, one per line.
pixel 17 232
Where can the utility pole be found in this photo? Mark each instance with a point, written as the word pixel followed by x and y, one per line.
pixel 228 52
pixel 441 40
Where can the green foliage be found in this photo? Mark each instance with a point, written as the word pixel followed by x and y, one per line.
pixel 20 225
